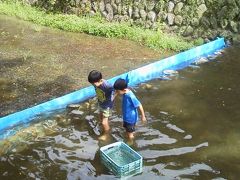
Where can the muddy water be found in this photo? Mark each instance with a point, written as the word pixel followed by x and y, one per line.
pixel 38 63
pixel 192 131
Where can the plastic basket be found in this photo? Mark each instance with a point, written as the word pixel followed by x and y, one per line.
pixel 121 159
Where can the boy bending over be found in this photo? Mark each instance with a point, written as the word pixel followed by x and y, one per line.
pixel 105 93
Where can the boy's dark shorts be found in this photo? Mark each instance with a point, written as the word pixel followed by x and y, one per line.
pixel 129 127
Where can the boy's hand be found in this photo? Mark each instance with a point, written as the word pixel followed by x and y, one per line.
pixel 143 118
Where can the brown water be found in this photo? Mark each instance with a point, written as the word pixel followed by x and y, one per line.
pixel 192 131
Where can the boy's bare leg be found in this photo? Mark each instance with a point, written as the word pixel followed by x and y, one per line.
pixel 105 124
pixel 130 135
pixel 106 127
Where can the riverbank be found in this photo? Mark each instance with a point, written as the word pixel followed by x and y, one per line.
pixel 39 63
pixel 97 26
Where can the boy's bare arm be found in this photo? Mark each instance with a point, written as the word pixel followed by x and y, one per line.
pixel 115 95
pixel 143 118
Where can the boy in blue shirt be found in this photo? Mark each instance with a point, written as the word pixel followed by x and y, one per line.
pixel 105 95
pixel 130 106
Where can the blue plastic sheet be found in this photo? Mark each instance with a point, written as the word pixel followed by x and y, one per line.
pixel 134 77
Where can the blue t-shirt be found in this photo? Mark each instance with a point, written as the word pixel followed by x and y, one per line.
pixel 130 103
pixel 105 95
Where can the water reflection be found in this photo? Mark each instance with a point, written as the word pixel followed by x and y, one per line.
pixel 192 132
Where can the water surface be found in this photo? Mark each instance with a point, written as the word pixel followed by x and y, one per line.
pixel 192 131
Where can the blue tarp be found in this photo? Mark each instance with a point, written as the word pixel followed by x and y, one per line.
pixel 134 77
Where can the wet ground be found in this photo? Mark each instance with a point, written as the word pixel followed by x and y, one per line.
pixel 38 63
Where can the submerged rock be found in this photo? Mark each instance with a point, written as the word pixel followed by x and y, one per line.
pixel 174 127
pixel 201 60
pixel 146 86
pixel 77 112
pixel 188 136
pixel 194 66
pixel 212 57
pixel 170 72
pixel 74 106
pixel 89 117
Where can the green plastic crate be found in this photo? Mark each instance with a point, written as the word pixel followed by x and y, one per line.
pixel 121 159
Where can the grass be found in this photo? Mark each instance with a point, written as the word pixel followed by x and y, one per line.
pixel 95 26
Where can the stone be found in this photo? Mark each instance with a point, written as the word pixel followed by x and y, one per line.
pixel 146 86
pixel 213 22
pixel 170 6
pixel 176 1
pixel 233 13
pixel 112 2
pixel 117 2
pixel 148 24
pixel 170 72
pixel 116 18
pixel 74 106
pixel 195 22
pixel 199 2
pixel 89 117
pixel 204 22
pixel 162 16
pixel 178 20
pixel 154 26
pixel 188 137
pixel 142 5
pixel 150 5
pixel 102 6
pixel 32 2
pixel 159 7
pixel 188 31
pixel 178 8
pixel 115 8
pixel 151 16
pixel 109 8
pixel 104 14
pixel 124 10
pixel 119 9
pixel 170 18
pixel 136 14
pixel 84 1
pixel 222 13
pixel 233 26
pixel 201 10
pixel 139 22
pixel 143 14
pixel 125 18
pixel 109 12
pixel 95 6
pixel 76 112
pixel 238 3
pixel 130 11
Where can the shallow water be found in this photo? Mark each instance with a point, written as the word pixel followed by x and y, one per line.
pixel 192 131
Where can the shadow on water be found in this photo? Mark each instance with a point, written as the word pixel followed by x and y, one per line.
pixel 10 63
pixel 38 94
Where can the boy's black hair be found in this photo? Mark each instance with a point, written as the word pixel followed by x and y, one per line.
pixel 120 84
pixel 94 76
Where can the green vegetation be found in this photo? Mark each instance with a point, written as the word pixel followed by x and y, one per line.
pixel 95 26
